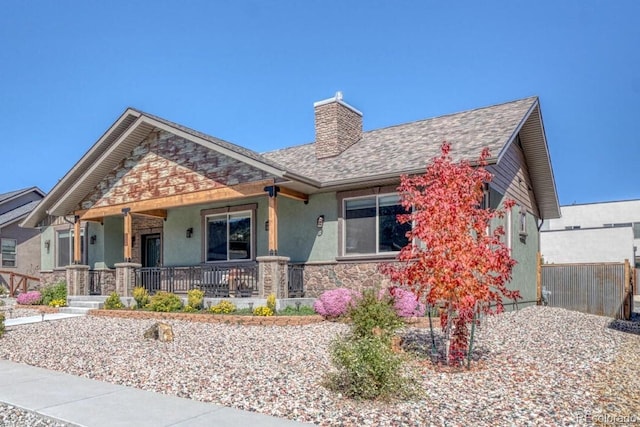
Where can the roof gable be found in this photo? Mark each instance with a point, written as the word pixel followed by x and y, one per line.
pixel 166 165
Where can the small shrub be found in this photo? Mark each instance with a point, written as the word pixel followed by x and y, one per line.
pixel 195 298
pixel 223 307
pixel 271 302
pixel 29 298
pixel 1 302
pixel 3 290
pixel 53 292
pixel 405 302
pixel 1 325
pixel 58 303
pixel 165 302
pixel 373 316
pixel 262 311
pixel 367 369
pixel 113 302
pixel 334 303
pixel 141 296
pixel 188 309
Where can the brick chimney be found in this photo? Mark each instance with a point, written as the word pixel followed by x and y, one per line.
pixel 338 126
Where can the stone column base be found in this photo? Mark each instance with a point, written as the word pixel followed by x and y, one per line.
pixel 126 278
pixel 273 276
pixel 77 280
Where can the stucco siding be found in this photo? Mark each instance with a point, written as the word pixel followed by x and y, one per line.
pixel 299 238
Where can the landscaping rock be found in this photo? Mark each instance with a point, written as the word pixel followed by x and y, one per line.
pixel 160 331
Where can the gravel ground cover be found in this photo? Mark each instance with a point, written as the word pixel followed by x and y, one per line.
pixel 537 366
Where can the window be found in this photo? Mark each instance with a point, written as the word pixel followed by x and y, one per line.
pixel 371 226
pixel 636 230
pixel 65 246
pixel 229 236
pixel 571 227
pixel 9 250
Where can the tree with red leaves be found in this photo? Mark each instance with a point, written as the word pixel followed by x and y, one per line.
pixel 454 259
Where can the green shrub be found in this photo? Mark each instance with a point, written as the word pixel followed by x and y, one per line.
pixel 141 296
pixel 113 302
pixel 54 292
pixel 195 298
pixel 374 317
pixel 1 324
pixel 165 302
pixel 368 369
pixel 188 309
pixel 223 307
pixel 271 302
pixel 262 311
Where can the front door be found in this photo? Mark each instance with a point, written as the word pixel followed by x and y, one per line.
pixel 150 250
pixel 151 257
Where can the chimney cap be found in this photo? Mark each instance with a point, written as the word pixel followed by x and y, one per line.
pixel 337 98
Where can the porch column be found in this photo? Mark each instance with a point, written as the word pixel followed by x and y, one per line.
pixel 273 276
pixel 77 280
pixel 127 234
pixel 272 191
pixel 126 278
pixel 77 246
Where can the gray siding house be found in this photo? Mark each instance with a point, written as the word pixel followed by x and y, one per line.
pixel 157 204
pixel 20 247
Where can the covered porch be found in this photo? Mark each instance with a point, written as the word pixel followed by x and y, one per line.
pixel 223 241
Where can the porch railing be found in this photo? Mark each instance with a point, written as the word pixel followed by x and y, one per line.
pixel 296 281
pixel 216 280
pixel 95 282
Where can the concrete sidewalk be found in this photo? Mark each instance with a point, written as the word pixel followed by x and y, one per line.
pixel 39 318
pixel 84 402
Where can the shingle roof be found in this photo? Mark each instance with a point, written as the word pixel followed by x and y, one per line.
pixel 10 194
pixel 17 213
pixel 407 147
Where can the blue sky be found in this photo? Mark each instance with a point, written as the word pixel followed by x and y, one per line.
pixel 249 72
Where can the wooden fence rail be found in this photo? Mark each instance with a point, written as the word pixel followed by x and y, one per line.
pixel 21 282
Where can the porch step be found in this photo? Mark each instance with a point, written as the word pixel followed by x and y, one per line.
pixel 82 304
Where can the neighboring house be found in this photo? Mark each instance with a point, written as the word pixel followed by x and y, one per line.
pixel 20 247
pixel 158 204
pixel 593 232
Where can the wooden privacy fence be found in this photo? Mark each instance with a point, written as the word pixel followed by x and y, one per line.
pixel 18 281
pixel 604 289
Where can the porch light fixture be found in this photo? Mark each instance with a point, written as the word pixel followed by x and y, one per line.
pixel 47 245
pixel 266 225
pixel 189 232
pixel 93 239
pixel 320 222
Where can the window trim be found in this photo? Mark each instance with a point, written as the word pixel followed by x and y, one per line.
pixel 343 198
pixel 83 245
pixel 205 214
pixel 15 253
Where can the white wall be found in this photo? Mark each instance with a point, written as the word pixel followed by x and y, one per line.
pixel 595 215
pixel 587 245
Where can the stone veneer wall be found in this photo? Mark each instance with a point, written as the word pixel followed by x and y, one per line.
pixel 52 277
pixel 352 275
pixel 165 165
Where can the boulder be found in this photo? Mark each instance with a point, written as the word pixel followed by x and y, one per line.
pixel 159 331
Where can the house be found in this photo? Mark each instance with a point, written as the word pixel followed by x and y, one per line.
pixel 593 233
pixel 20 247
pixel 157 204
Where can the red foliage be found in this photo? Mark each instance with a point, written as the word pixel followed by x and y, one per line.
pixel 452 260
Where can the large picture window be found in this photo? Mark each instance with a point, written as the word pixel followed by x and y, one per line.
pixel 65 246
pixel 229 236
pixel 371 225
pixel 9 251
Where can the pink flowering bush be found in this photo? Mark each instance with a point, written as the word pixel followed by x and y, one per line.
pixel 29 298
pixel 405 302
pixel 335 303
